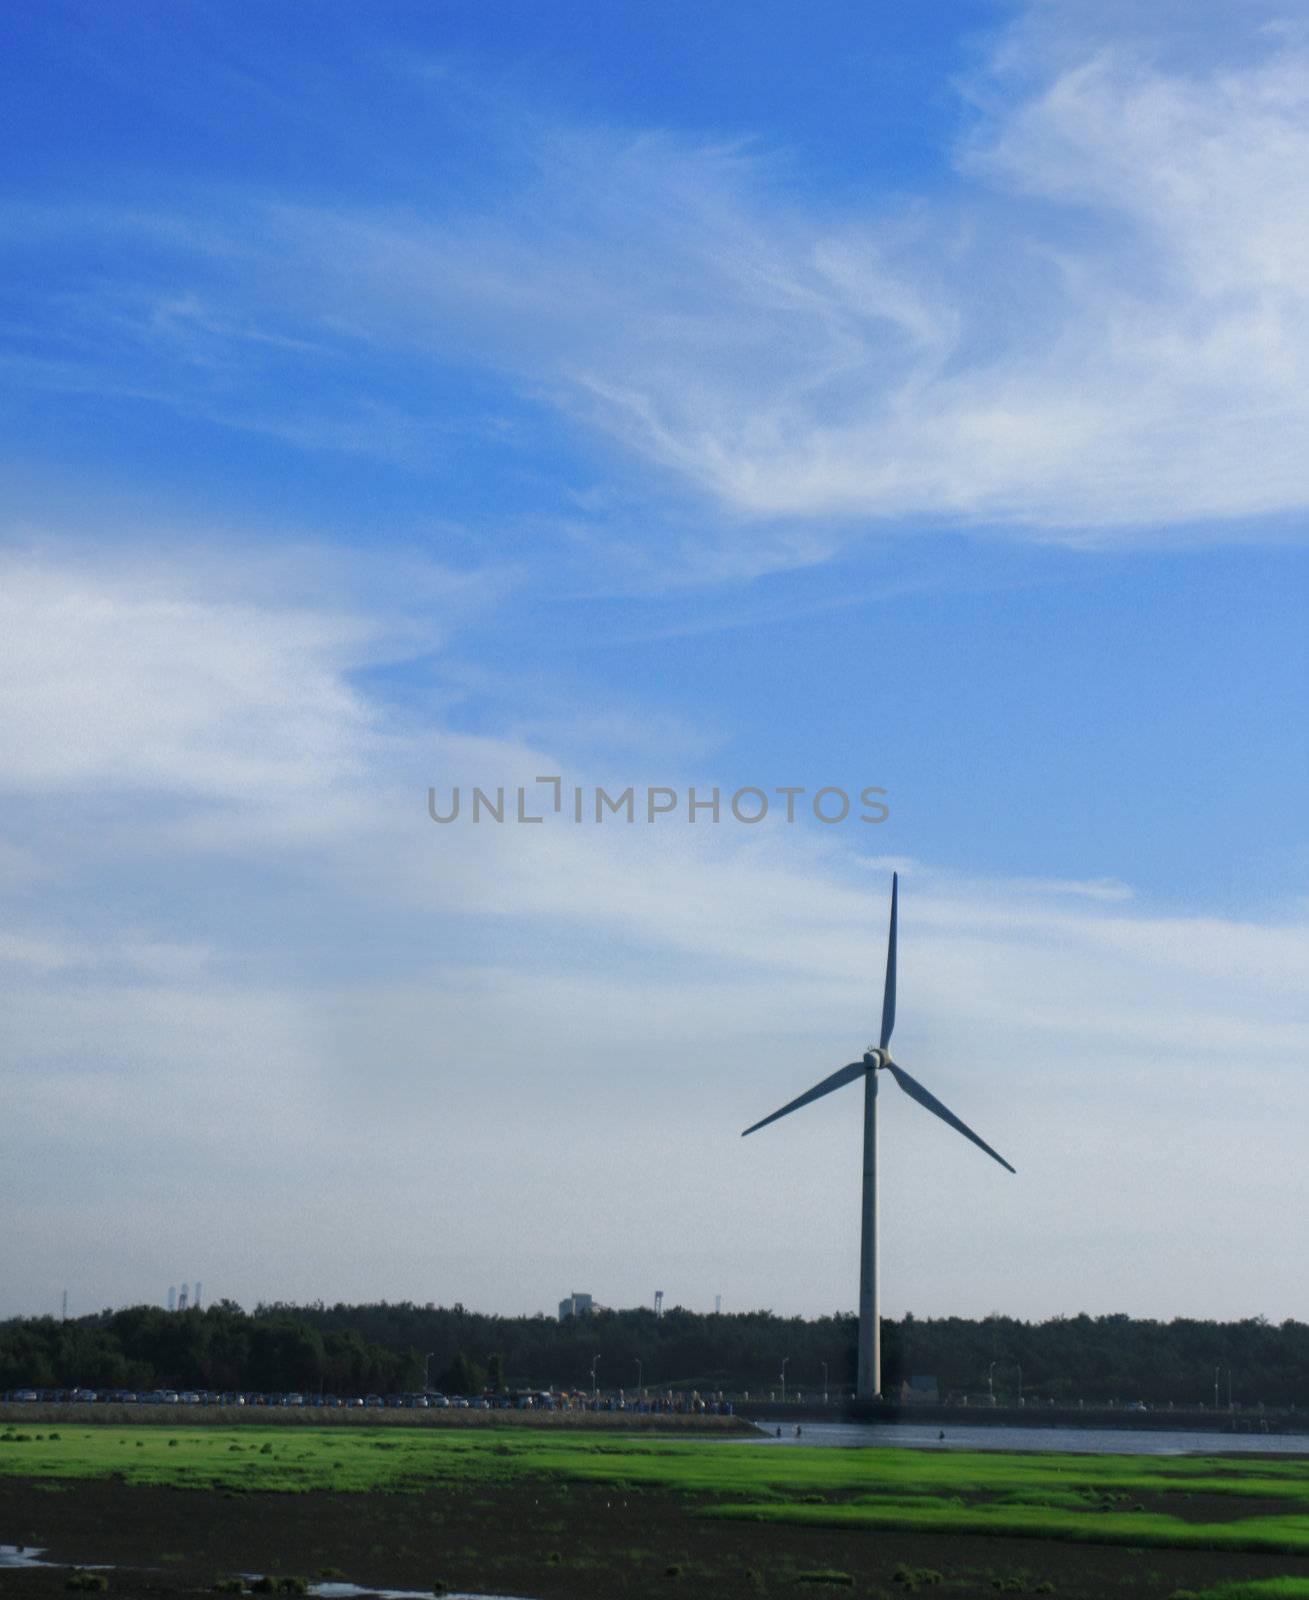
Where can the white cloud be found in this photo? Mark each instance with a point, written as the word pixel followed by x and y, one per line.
pixel 134 683
pixel 493 1007
pixel 47 953
pixel 1113 1082
pixel 19 867
pixel 1096 327
pixel 1103 328
pixel 243 962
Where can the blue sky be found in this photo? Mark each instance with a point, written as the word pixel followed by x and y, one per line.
pixel 713 396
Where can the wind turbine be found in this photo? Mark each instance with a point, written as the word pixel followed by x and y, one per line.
pixel 877 1058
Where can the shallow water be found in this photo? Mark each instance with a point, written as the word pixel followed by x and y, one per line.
pixel 29 1555
pixel 1075 1441
pixel 350 1591
pixel 21 1555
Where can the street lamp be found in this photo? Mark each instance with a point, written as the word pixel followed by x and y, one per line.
pixel 785 1359
pixel 824 1383
pixel 990 1381
pixel 594 1390
pixel 427 1370
pixel 640 1381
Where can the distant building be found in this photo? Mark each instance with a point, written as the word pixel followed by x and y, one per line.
pixel 920 1391
pixel 576 1305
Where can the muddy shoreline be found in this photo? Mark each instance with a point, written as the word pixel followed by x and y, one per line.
pixel 543 1540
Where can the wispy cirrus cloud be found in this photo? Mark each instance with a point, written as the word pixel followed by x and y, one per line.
pixel 1103 326
pixel 1095 328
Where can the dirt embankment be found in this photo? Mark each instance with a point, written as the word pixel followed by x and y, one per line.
pixel 26 1414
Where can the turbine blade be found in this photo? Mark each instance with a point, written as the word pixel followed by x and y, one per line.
pixel 915 1091
pixel 888 994
pixel 856 1069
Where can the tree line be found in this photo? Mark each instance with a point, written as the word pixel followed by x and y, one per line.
pixel 391 1347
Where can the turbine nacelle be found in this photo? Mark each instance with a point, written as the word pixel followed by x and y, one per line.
pixel 877 1058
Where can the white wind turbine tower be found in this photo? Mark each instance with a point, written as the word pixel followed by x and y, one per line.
pixel 877 1058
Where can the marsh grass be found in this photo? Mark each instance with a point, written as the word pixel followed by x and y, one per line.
pixel 1123 1500
pixel 1148 1530
pixel 914 1578
pixel 1250 1589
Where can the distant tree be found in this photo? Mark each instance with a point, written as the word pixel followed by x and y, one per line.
pixel 461 1376
pixel 371 1349
pixel 286 1355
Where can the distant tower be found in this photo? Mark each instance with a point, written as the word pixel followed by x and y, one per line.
pixel 659 1302
pixel 718 1305
pixel 64 1312
pixel 196 1301
pixel 172 1297
pixel 181 1299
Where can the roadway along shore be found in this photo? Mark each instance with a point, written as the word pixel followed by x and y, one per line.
pixel 24 1414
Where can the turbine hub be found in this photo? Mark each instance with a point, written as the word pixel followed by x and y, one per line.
pixel 875 1057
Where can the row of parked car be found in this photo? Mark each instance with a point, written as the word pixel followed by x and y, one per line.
pixel 234 1397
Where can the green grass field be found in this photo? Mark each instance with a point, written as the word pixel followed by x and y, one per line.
pixel 1127 1500
pixel 1251 1589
